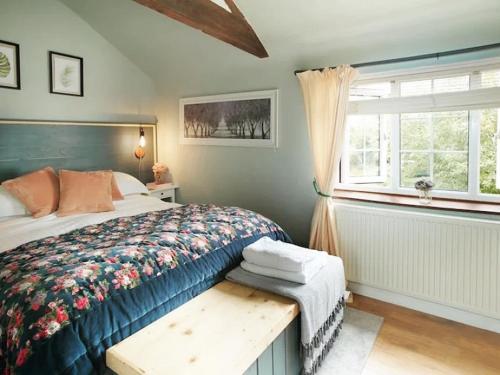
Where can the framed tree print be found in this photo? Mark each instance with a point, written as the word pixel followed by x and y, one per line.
pixel 10 75
pixel 247 119
pixel 66 74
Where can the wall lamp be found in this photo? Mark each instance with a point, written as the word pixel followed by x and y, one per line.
pixel 139 150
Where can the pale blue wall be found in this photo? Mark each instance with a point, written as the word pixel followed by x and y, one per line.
pixel 183 62
pixel 277 183
pixel 274 182
pixel 115 88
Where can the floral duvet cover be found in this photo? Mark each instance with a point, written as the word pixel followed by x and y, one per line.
pixel 66 299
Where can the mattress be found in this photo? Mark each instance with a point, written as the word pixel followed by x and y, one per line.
pixel 74 286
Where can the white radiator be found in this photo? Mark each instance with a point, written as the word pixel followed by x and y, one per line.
pixel 454 261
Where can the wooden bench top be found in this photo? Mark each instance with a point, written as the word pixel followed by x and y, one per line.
pixel 221 331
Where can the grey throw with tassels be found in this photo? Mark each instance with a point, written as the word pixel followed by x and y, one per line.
pixel 321 304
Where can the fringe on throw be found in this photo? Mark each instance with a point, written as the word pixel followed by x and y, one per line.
pixel 307 350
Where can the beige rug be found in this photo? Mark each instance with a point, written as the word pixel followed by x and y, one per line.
pixel 354 344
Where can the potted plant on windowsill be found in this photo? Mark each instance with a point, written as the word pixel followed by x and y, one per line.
pixel 424 188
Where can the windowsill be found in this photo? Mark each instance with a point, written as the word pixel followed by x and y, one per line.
pixel 412 201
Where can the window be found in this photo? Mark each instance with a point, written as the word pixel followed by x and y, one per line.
pixel 435 86
pixel 443 125
pixel 367 148
pixel 490 78
pixel 435 146
pixel 490 151
pixel 370 91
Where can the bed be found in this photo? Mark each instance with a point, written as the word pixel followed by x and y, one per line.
pixel 74 286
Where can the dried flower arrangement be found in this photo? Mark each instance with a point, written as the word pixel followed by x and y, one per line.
pixel 159 169
pixel 424 188
pixel 424 185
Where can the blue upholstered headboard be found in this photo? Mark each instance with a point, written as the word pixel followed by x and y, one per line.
pixel 29 145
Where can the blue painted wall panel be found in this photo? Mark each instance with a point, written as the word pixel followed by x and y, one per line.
pixel 28 147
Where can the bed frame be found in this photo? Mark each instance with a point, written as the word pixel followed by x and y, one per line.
pixel 270 346
pixel 30 145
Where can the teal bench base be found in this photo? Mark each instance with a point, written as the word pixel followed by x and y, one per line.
pixel 282 357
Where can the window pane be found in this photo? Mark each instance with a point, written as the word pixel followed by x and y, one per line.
pixel 443 139
pixel 490 78
pixel 356 164
pixel 372 132
pixel 489 120
pixel 451 84
pixel 415 131
pixel 450 171
pixel 414 166
pixel 451 130
pixel 372 163
pixel 411 88
pixel 370 91
pixel 435 86
pixel 365 158
pixel 356 135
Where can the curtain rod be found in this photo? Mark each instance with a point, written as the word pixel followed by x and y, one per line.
pixel 416 57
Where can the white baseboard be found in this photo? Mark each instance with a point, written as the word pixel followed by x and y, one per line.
pixel 447 312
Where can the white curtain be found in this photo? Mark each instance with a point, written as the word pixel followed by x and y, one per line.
pixel 326 98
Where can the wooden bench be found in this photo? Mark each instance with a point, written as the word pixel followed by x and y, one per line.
pixel 222 331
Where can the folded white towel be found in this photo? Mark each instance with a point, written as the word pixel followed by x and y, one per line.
pixel 298 277
pixel 281 255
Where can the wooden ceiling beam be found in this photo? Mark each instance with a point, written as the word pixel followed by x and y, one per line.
pixel 212 19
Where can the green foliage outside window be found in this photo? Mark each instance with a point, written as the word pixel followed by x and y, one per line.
pixel 435 146
pixel 487 181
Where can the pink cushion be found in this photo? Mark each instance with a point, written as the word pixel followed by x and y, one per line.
pixel 85 192
pixel 115 190
pixel 38 191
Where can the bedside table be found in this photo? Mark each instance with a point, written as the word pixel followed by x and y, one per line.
pixel 163 191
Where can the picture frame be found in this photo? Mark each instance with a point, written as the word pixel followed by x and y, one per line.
pixel 246 119
pixel 10 71
pixel 65 74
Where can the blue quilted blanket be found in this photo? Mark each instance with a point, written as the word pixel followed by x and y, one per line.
pixel 66 299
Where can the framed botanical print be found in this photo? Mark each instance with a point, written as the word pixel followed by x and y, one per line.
pixel 10 74
pixel 66 74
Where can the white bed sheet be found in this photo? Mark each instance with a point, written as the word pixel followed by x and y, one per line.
pixel 22 229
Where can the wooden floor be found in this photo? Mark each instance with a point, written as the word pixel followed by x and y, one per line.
pixel 411 342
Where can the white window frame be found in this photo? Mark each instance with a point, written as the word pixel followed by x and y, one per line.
pixel 382 150
pixel 432 151
pixel 497 139
pixel 472 100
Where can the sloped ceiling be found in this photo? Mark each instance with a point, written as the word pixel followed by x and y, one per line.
pixel 296 31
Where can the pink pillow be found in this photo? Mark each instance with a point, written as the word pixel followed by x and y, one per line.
pixel 85 192
pixel 115 190
pixel 38 191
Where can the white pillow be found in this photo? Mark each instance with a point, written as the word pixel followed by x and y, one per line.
pixel 10 205
pixel 129 184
